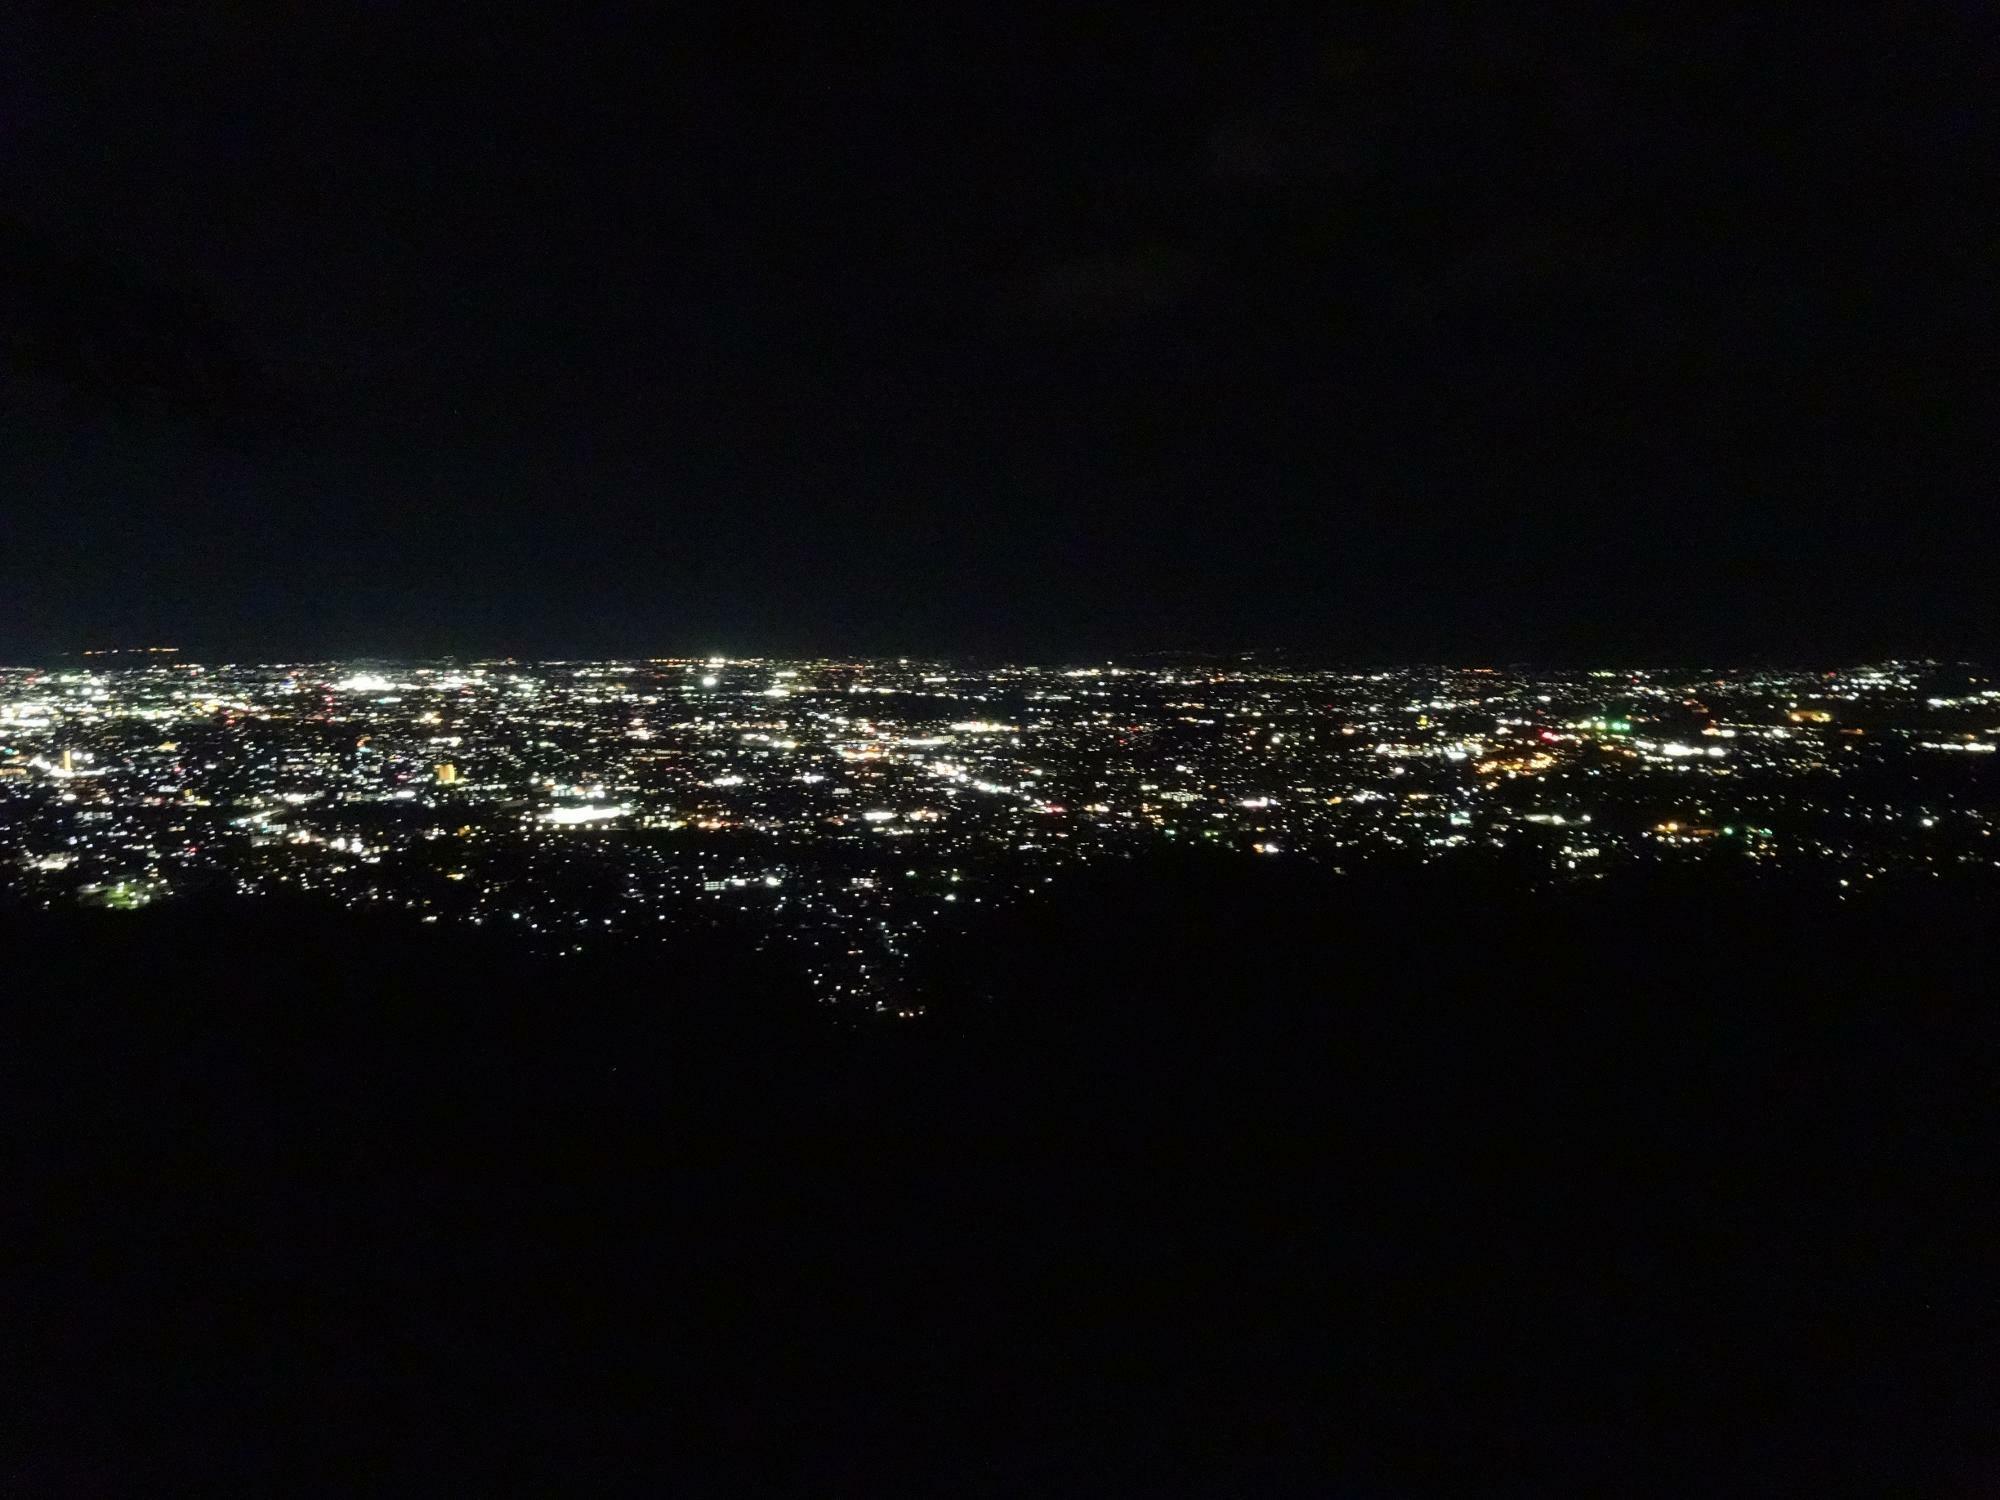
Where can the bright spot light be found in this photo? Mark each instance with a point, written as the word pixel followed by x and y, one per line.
pixel 588 814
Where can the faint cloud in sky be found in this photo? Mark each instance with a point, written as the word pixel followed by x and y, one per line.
pixel 1112 286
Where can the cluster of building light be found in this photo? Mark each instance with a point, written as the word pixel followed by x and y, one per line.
pixel 843 808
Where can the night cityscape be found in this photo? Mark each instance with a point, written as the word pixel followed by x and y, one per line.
pixel 842 753
pixel 841 814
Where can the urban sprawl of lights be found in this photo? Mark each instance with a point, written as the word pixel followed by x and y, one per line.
pixel 834 811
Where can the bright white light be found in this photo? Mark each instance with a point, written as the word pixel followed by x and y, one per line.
pixel 362 682
pixel 879 815
pixel 589 814
pixel 709 681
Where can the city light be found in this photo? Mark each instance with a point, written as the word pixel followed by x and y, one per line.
pixel 843 837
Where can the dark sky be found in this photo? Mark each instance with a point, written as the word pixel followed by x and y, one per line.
pixel 1416 331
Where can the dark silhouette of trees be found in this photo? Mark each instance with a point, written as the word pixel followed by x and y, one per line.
pixel 1191 1179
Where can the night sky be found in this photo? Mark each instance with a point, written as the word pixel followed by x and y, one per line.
pixel 1422 332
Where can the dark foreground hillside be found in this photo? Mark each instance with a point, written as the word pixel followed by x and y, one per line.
pixel 1195 1183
